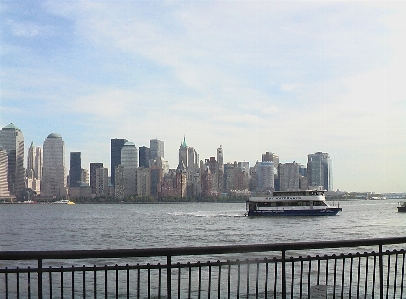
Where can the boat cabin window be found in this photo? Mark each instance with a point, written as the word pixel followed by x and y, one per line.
pixel 319 203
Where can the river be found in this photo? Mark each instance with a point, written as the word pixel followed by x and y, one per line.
pixel 103 226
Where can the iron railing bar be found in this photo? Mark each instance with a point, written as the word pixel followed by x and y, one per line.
pixel 84 283
pixel 183 251
pixel 6 283
pixel 366 277
pixel 73 284
pixel 301 279
pixel 168 276
pixel 380 272
pixel 387 277
pixel 116 281
pixel 238 281
pixel 248 279
pixel 128 280
pixel 359 273
pixel 395 276
pixel 342 279
pixel 308 277
pixel 179 281
pixel 351 267
pixel 266 278
pixel 184 265
pixel 219 280
pixel 403 275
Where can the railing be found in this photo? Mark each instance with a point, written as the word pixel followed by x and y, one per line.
pixel 248 271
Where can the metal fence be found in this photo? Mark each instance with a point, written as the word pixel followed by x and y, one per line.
pixel 371 268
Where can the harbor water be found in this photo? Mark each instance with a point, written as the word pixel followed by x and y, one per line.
pixel 103 226
pixel 123 226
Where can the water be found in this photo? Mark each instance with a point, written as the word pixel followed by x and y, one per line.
pixel 57 227
pixel 63 227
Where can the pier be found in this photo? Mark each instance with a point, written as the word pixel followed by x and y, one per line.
pixel 364 268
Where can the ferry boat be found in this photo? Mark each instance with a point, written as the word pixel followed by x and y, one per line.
pixel 291 203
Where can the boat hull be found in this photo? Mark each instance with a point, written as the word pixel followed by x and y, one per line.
pixel 402 209
pixel 315 212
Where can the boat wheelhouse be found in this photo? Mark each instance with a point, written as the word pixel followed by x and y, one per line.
pixel 291 203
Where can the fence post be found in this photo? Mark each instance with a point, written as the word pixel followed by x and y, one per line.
pixel 381 271
pixel 39 278
pixel 283 274
pixel 169 276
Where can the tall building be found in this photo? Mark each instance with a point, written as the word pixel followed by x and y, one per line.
pixel 4 192
pixel 53 174
pixel 265 176
pixel 220 158
pixel 75 170
pixel 183 160
pixel 84 176
pixel 101 178
pixel 129 164
pixel 93 168
pixel 12 141
pixel 289 176
pixel 129 155
pixel 319 171
pixel 34 162
pixel 144 155
pixel 115 156
pixel 34 168
pixel 156 148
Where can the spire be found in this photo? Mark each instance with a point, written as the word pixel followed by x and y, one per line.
pixel 183 144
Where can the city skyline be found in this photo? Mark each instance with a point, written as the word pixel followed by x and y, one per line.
pixel 289 78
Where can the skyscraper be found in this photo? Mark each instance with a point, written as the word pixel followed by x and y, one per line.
pixel 115 152
pixel 319 171
pixel 12 141
pixel 101 177
pixel 4 192
pixel 220 158
pixel 265 176
pixel 143 160
pixel 75 170
pixel 34 162
pixel 93 167
pixel 129 155
pixel 34 168
pixel 183 152
pixel 53 175
pixel 289 176
pixel 156 148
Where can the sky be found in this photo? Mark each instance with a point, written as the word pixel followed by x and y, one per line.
pixel 288 77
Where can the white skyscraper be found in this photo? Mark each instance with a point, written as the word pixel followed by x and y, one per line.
pixel 53 175
pixel 12 141
pixel 4 192
pixel 129 155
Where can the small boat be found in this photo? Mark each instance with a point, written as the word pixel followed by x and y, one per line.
pixel 64 201
pixel 291 203
pixel 402 207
